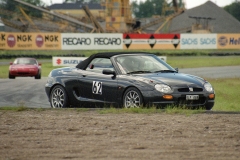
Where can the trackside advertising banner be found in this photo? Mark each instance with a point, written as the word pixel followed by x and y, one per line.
pixel 228 41
pixel 151 41
pixel 198 41
pixel 30 41
pixel 88 41
pixel 67 61
pixel 73 61
pixel 2 41
pixel 116 41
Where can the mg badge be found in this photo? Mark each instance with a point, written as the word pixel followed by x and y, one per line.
pixel 190 89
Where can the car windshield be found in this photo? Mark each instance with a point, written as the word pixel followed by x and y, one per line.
pixel 138 64
pixel 25 61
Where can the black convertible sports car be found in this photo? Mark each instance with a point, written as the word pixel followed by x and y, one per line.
pixel 126 80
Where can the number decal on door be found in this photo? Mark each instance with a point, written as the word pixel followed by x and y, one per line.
pixel 97 87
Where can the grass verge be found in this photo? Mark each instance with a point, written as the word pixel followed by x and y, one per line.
pixel 227 94
pixel 180 62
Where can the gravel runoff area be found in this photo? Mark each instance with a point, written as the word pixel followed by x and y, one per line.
pixel 69 134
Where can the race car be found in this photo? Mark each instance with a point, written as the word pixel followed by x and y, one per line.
pixel 25 67
pixel 126 79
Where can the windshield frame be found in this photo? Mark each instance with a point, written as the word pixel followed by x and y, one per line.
pixel 154 58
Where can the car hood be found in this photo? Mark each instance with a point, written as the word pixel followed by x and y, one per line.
pixel 24 66
pixel 174 79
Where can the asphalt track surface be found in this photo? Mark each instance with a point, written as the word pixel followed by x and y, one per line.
pixel 29 92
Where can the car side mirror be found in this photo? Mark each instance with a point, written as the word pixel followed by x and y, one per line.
pixel 39 64
pixel 91 66
pixel 11 63
pixel 108 72
pixel 176 69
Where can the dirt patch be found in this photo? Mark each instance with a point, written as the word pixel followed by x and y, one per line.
pixel 68 134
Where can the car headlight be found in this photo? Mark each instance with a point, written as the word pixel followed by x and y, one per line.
pixel 208 87
pixel 163 88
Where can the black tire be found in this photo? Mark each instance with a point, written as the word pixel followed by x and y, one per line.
pixel 10 76
pixel 58 97
pixel 38 76
pixel 132 98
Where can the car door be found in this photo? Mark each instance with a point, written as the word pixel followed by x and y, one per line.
pixel 95 86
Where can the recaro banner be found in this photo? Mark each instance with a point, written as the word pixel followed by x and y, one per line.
pixel 88 41
pixel 30 41
pixel 151 41
pixel 198 41
pixel 228 41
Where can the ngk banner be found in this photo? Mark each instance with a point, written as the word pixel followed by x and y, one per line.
pixel 91 41
pixel 3 43
pixel 67 61
pixel 30 41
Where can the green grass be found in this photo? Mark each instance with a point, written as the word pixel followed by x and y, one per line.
pixel 227 94
pixel 180 62
pixel 89 52
pixel 46 69
pixel 203 61
pixel 20 108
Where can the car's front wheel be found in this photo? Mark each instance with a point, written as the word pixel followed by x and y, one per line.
pixel 38 76
pixel 132 98
pixel 58 97
pixel 209 106
pixel 10 76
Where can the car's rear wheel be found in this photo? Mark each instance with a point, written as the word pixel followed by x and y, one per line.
pixel 58 97
pixel 10 76
pixel 132 98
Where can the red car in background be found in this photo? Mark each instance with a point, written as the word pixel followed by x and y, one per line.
pixel 25 67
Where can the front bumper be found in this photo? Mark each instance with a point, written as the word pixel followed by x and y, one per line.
pixel 179 99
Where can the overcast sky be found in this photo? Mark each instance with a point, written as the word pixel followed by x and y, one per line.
pixel 189 3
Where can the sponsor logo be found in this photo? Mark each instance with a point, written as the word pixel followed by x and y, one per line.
pixel 234 41
pixel 39 40
pixel 24 38
pixel 127 41
pixel 222 41
pixel 51 38
pixel 71 61
pixel 11 41
pixel 59 61
pixel 207 41
pixel 152 41
pixel 189 41
pixel 76 41
pixel 107 41
pixel 175 41
pixel 2 37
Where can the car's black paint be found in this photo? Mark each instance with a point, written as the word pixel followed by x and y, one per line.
pixel 84 87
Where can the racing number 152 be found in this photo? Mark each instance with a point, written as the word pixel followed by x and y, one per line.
pixel 97 87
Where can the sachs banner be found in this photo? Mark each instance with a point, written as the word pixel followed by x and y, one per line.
pixel 88 41
pixel 30 41
pixel 198 41
pixel 151 41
